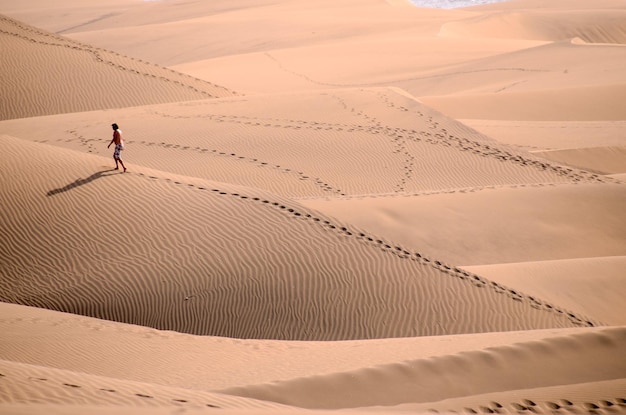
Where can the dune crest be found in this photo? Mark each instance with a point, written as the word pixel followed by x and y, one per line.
pixel 48 74
pixel 447 377
pixel 567 282
pixel 598 26
pixel 327 288
pixel 366 141
pixel 338 206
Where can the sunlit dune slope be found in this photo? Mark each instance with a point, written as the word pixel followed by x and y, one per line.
pixel 544 363
pixel 599 22
pixel 46 74
pixel 194 256
pixel 309 144
pixel 476 226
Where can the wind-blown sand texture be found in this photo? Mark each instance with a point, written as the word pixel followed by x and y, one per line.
pixel 351 206
pixel 46 74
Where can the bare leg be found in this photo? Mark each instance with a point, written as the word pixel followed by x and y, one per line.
pixel 122 163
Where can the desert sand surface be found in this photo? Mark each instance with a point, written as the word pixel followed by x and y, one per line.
pixel 353 206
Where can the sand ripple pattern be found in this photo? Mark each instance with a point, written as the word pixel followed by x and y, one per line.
pixel 206 258
pixel 80 77
pixel 30 384
pixel 372 141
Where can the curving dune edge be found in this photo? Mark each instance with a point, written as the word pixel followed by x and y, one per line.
pixel 353 206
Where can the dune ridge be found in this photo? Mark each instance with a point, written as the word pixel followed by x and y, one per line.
pixel 582 397
pixel 532 222
pixel 368 141
pixel 162 388
pixel 570 283
pixel 538 136
pixel 122 346
pixel 341 206
pixel 62 387
pixel 101 79
pixel 236 307
pixel 597 26
pixel 604 160
pixel 530 105
pixel 462 374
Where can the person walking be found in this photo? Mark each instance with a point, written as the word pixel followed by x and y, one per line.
pixel 119 146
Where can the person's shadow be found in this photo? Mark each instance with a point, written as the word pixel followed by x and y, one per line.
pixel 80 182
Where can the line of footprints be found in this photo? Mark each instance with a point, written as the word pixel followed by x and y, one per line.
pixel 523 406
pixel 107 390
pixel 396 250
pixel 555 406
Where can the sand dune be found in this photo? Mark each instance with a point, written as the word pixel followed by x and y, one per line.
pixel 552 135
pixel 48 74
pixel 602 25
pixel 371 141
pixel 569 282
pixel 217 362
pixel 556 81
pixel 604 160
pixel 61 387
pixel 176 265
pixel 530 223
pixel 582 397
pixel 458 375
pixel 295 45
pixel 595 102
pixel 201 30
pixel 542 83
pixel 374 61
pixel 172 380
pixel 441 190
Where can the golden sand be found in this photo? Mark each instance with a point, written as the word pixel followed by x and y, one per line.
pixel 351 206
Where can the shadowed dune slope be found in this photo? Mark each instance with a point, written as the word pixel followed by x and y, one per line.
pixel 543 363
pixel 194 256
pixel 43 74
